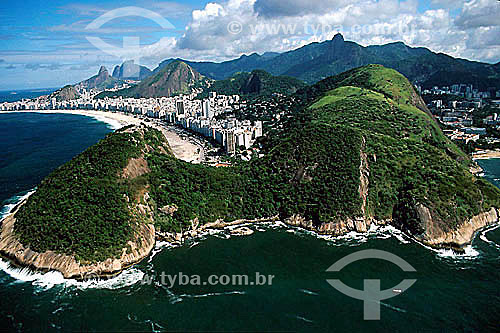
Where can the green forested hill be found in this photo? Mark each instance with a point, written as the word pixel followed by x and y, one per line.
pixel 359 146
pixel 317 61
pixel 256 83
pixel 175 78
pixel 84 207
pixel 411 162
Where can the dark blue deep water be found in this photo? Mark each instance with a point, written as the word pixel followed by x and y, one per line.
pixel 452 293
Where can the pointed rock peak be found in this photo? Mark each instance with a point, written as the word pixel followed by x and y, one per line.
pixel 338 38
pixel 103 70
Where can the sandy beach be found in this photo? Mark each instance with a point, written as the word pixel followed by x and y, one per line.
pixel 183 148
pixel 486 154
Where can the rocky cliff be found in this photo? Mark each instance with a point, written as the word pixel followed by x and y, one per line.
pixel 436 237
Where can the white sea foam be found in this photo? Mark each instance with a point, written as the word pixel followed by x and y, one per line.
pixel 112 124
pixel 304 319
pixel 127 278
pixel 51 279
pixel 393 307
pixel 7 209
pixel 485 239
pixel 468 253
pixel 213 294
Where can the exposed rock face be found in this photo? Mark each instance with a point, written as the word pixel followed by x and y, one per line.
pixel 131 71
pixel 100 81
pixel 333 228
pixel 136 167
pixel 358 224
pixel 11 248
pixel 433 233
pixel 460 237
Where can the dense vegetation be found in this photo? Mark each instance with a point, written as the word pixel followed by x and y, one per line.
pixel 256 83
pixel 80 208
pixel 411 161
pixel 312 158
pixel 311 167
pixel 316 61
pixel 313 171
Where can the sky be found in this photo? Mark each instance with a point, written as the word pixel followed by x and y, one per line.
pixel 48 44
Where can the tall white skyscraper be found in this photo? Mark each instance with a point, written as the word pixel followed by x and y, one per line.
pixel 206 109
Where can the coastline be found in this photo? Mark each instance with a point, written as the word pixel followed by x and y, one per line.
pixel 486 155
pixel 147 238
pixel 12 250
pixel 183 149
pixel 455 240
pixel 138 249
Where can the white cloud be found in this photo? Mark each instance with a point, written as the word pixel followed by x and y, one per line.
pixel 279 8
pixel 267 26
pixel 278 25
pixel 479 13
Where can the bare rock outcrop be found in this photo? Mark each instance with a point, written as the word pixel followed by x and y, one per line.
pixel 463 235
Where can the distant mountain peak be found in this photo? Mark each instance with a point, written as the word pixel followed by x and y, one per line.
pixel 103 70
pixel 176 77
pixel 338 38
pixel 319 60
pixel 129 70
pixel 100 81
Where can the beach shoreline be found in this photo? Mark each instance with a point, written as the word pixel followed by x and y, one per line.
pixel 486 155
pixel 182 148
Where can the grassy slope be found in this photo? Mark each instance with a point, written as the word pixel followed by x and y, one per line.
pixel 411 161
pixel 310 168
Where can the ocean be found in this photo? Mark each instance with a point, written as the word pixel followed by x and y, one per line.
pixel 17 95
pixel 452 292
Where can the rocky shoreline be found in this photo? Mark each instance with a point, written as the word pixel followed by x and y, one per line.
pixel 459 238
pixel 70 268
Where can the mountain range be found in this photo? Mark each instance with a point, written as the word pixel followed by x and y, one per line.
pixel 175 78
pixel 260 74
pixel 100 81
pixel 316 61
pixel 131 71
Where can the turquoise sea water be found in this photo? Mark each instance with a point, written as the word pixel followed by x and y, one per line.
pixel 452 293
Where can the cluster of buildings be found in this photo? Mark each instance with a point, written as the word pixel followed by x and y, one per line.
pixel 463 90
pixel 200 116
pixel 457 115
